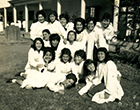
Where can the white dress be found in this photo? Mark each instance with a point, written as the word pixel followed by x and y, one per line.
pixel 34 58
pixel 40 78
pixel 74 47
pixel 66 68
pixel 56 27
pixel 112 84
pixel 107 33
pixel 54 85
pixel 37 28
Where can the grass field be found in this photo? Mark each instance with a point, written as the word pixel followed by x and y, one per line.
pixel 13 58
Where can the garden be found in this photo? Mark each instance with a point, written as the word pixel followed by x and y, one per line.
pixel 13 58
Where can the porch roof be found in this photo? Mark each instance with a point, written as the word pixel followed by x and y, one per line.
pixel 4 3
pixel 23 2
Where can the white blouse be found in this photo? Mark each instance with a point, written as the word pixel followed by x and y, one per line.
pixel 37 28
pixel 34 58
pixel 56 27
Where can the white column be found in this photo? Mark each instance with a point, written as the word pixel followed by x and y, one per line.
pixel 26 18
pixel 83 8
pixel 5 17
pixel 116 11
pixel 15 15
pixel 40 6
pixel 58 7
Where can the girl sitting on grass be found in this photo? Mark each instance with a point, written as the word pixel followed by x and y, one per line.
pixel 89 75
pixel 38 79
pixel 64 65
pixel 106 87
pixel 35 57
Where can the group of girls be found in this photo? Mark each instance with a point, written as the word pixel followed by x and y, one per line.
pixel 63 48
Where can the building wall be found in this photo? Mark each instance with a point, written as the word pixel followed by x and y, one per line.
pixel 101 6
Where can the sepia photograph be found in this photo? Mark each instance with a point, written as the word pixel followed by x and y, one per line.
pixel 69 54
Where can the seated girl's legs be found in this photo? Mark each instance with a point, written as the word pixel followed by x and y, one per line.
pixel 94 89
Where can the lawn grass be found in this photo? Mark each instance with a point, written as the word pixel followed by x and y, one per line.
pixel 13 58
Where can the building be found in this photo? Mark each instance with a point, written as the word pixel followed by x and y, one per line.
pixel 15 10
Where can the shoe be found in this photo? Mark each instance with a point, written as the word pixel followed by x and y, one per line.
pixel 9 81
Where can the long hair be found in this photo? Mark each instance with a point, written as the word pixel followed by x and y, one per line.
pixel 54 37
pixel 49 49
pixel 82 22
pixel 107 57
pixel 34 42
pixel 66 51
pixel 54 13
pixel 85 69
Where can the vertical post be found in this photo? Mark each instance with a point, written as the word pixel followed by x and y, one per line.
pixel 5 17
pixel 15 15
pixel 26 18
pixel 58 7
pixel 83 8
pixel 116 11
pixel 40 6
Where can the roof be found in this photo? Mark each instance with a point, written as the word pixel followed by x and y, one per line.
pixel 4 3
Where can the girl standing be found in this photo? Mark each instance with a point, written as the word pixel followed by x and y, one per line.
pixel 55 26
pixel 39 26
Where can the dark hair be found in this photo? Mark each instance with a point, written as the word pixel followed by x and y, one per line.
pixel 54 13
pixel 40 12
pixel 106 16
pixel 74 34
pixel 46 30
pixel 86 63
pixel 107 57
pixel 80 53
pixel 91 19
pixel 79 20
pixel 73 77
pixel 34 41
pixel 66 51
pixel 64 15
pixel 49 49
pixel 54 37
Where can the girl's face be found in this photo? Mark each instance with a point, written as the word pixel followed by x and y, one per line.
pixel 46 36
pixel 52 18
pixel 90 26
pixel 40 18
pixel 78 60
pixel 91 67
pixel 101 56
pixel 54 43
pixel 105 23
pixel 63 22
pixel 65 58
pixel 71 36
pixel 38 45
pixel 79 26
pixel 48 56
pixel 68 82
